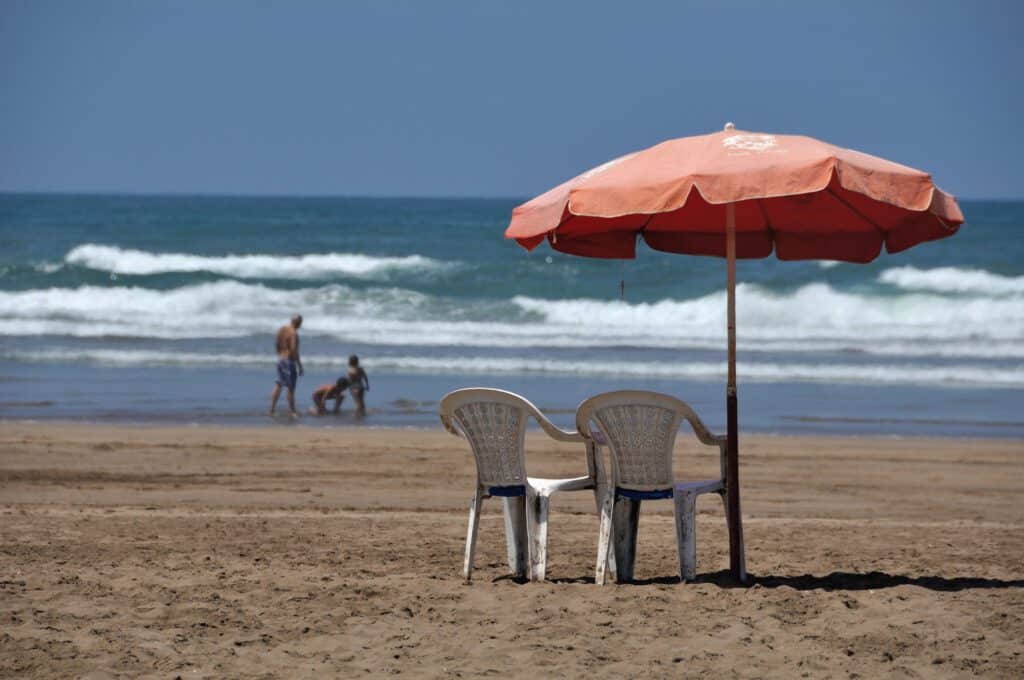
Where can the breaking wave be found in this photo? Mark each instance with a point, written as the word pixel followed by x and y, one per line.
pixel 953 280
pixel 303 267
pixel 814 318
pixel 814 312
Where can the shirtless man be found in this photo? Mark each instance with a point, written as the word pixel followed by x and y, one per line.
pixel 287 347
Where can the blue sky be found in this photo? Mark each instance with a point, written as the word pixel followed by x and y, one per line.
pixel 487 98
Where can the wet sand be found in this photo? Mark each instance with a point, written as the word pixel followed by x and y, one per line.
pixel 300 552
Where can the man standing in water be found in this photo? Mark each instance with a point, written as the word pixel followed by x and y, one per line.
pixel 288 360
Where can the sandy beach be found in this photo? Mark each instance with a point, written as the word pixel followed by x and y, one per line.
pixel 806 220
pixel 292 552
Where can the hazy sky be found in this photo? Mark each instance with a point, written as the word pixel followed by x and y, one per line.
pixel 486 98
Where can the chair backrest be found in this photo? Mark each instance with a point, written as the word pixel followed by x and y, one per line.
pixel 494 422
pixel 640 429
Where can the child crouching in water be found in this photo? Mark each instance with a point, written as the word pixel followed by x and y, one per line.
pixel 335 391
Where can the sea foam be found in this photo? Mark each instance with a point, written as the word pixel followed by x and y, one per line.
pixel 814 311
pixel 953 280
pixel 814 318
pixel 304 267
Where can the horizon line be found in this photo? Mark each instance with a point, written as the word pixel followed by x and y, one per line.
pixel 438 197
pixel 211 194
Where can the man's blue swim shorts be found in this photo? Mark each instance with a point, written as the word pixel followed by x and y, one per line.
pixel 287 374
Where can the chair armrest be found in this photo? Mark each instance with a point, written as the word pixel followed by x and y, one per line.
pixel 553 430
pixel 702 431
pixel 723 455
pixel 706 437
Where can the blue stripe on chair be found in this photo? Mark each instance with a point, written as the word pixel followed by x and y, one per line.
pixel 507 491
pixel 635 495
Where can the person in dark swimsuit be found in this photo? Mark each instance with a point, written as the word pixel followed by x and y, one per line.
pixel 358 384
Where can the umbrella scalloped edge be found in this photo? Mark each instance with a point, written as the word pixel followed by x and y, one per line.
pixel 593 193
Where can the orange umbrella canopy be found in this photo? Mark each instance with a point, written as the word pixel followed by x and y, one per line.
pixel 801 197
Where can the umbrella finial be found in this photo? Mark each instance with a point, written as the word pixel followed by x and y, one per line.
pixel 729 126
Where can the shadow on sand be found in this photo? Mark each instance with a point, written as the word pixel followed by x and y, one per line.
pixel 837 580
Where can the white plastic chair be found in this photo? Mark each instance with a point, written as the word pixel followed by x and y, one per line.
pixel 640 429
pixel 494 423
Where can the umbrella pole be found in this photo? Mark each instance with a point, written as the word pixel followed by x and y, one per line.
pixel 737 562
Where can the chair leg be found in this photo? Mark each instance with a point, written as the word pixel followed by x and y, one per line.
pixel 474 526
pixel 604 535
pixel 625 524
pixel 599 493
pixel 516 540
pixel 530 503
pixel 539 539
pixel 686 534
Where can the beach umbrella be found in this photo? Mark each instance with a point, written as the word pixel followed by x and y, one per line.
pixel 738 194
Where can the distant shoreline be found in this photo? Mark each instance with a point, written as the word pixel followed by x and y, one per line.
pixel 309 425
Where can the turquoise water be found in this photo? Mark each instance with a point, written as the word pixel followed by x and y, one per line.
pixel 163 308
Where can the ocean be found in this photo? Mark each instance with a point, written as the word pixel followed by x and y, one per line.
pixel 162 309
